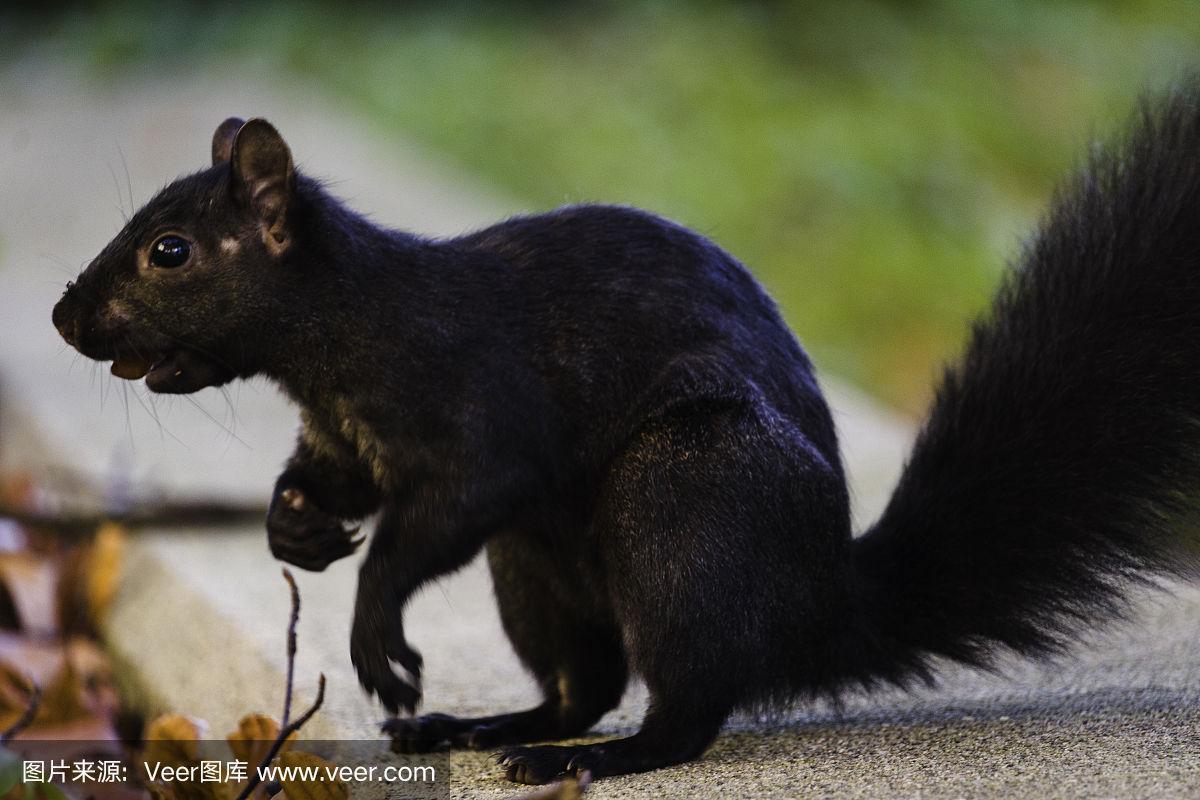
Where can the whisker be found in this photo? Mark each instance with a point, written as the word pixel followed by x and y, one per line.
pixel 128 180
pixel 136 396
pixel 104 389
pixel 214 420
pixel 120 200
pixel 128 421
pixel 231 405
pixel 155 415
pixel 60 263
pixel 152 410
pixel 232 408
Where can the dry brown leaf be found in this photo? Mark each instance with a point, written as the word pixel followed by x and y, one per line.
pixel 311 790
pixel 104 569
pixel 39 659
pixel 15 688
pixel 566 789
pixel 199 790
pixel 161 791
pixel 71 613
pixel 95 730
pixel 89 575
pixel 254 737
pixel 111 791
pixel 172 739
pixel 76 679
pixel 93 670
pixel 78 688
pixel 62 699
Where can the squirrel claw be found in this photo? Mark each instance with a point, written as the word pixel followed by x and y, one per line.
pixel 294 498
pixel 303 535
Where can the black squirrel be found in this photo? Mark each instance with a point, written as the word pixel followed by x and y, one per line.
pixel 613 407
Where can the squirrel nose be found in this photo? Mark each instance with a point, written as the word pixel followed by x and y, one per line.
pixel 67 326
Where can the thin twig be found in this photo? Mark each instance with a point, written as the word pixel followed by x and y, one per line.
pixel 284 733
pixel 291 645
pixel 23 722
pixel 172 515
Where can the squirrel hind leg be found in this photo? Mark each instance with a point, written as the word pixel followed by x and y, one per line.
pixel 725 538
pixel 700 527
pixel 577 660
pixel 587 681
pixel 437 731
pixel 673 732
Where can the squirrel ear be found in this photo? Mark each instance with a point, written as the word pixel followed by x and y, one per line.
pixel 222 141
pixel 263 177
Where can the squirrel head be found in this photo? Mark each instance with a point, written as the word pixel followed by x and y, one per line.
pixel 181 296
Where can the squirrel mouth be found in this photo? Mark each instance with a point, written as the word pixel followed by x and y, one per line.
pixel 177 371
pixel 162 372
pixel 135 366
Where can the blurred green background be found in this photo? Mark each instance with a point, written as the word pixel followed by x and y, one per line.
pixel 874 163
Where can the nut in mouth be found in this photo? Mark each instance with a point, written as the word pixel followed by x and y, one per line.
pixel 174 371
pixel 134 366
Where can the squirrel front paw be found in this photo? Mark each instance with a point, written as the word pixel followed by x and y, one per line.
pixel 387 667
pixel 305 536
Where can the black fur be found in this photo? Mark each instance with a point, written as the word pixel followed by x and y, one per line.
pixel 613 407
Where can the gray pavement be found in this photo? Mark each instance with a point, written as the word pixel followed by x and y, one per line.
pixel 201 614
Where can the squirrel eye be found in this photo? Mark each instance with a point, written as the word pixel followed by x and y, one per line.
pixel 170 251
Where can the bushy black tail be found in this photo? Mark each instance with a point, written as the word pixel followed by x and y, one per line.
pixel 1061 461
